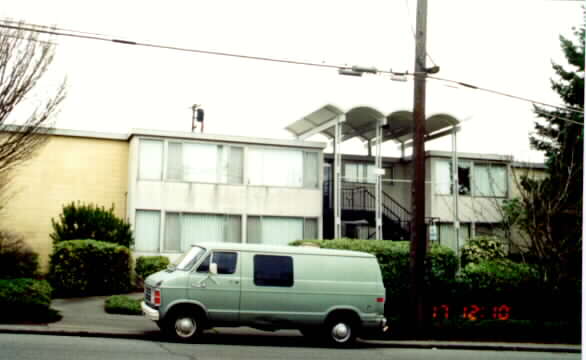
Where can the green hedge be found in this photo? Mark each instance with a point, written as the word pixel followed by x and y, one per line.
pixel 25 299
pixel 89 267
pixel 147 265
pixel 121 304
pixel 89 221
pixel 24 292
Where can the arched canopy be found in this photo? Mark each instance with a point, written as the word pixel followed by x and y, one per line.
pixel 362 121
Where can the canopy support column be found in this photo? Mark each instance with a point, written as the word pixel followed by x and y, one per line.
pixel 379 178
pixel 338 176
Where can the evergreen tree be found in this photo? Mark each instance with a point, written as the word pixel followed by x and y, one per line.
pixel 549 211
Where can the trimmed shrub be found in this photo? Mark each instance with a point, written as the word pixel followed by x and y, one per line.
pixel 17 259
pixel 501 282
pixel 147 265
pixel 90 267
pixel 482 248
pixel 120 304
pixel 88 221
pixel 24 298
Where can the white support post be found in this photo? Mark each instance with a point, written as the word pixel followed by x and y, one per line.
pixel 379 182
pixel 455 190
pixel 338 177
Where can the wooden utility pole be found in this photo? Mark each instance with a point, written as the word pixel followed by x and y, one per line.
pixel 418 233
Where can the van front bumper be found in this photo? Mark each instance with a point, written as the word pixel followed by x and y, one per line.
pixel 149 312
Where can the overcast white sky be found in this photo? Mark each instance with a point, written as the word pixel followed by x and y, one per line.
pixel 501 45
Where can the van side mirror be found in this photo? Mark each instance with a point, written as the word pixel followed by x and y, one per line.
pixel 214 269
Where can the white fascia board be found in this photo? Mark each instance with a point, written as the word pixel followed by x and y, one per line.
pixel 228 139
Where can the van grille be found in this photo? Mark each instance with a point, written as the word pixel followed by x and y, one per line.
pixel 147 294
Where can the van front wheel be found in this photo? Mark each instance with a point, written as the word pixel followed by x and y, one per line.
pixel 184 325
pixel 341 331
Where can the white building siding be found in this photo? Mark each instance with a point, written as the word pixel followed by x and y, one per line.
pixel 276 191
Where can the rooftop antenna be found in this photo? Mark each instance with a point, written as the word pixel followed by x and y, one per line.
pixel 196 115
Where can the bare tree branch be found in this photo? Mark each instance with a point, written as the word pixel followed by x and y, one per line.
pixel 24 60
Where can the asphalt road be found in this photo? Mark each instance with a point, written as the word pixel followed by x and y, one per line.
pixel 52 347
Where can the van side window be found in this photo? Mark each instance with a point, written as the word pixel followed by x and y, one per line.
pixel 270 270
pixel 226 263
pixel 204 267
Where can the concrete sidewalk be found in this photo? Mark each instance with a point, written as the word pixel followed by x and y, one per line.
pixel 86 317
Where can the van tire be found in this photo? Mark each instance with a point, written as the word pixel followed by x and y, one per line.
pixel 183 325
pixel 341 330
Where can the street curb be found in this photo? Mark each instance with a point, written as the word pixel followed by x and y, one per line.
pixel 387 344
pixel 79 333
pixel 468 346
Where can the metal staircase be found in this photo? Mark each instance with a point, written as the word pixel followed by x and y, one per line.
pixel 359 201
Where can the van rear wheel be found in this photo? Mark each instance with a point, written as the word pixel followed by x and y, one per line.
pixel 184 325
pixel 341 331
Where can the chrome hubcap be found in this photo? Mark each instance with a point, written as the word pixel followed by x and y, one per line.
pixel 341 332
pixel 185 327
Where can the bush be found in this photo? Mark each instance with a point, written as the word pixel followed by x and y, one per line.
pixel 26 299
pixel 482 248
pixel 393 258
pixel 17 260
pixel 501 282
pixel 120 304
pixel 89 267
pixel 147 265
pixel 81 221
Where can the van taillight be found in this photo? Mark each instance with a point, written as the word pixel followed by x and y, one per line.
pixel 157 297
pixel 380 300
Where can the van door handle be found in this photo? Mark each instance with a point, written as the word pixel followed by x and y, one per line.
pixel 235 282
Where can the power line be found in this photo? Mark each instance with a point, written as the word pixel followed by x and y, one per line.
pixel 535 102
pixel 43 29
pixel 90 36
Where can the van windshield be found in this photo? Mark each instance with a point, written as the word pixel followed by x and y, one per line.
pixel 190 257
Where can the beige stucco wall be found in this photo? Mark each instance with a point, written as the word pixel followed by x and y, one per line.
pixel 66 169
pixel 536 173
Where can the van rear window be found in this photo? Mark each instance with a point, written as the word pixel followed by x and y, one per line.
pixel 270 270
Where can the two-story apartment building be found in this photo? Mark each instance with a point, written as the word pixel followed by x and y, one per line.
pixel 179 188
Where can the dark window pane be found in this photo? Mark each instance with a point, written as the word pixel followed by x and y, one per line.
pixel 273 270
pixel 205 265
pixel 226 262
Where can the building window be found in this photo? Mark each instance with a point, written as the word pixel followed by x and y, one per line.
pixel 490 180
pixel 280 167
pixel 146 230
pixel 270 270
pixel 447 235
pixel 359 172
pixel 206 163
pixel 275 167
pixel 444 178
pixel 280 230
pixel 150 159
pixel 184 229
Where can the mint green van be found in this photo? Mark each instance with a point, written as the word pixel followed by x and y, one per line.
pixel 334 295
